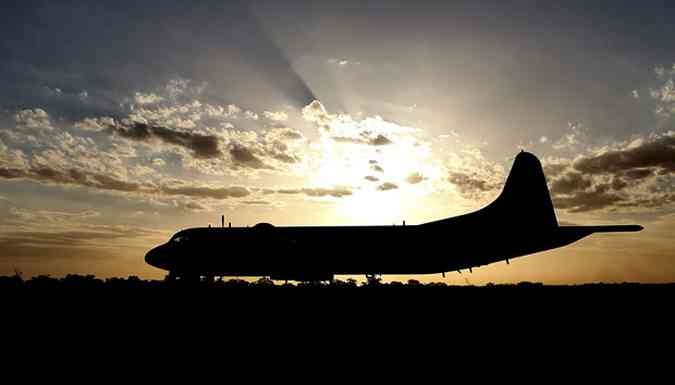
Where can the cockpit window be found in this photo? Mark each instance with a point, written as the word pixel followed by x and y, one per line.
pixel 179 239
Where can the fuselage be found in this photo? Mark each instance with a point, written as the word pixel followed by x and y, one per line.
pixel 519 222
pixel 297 252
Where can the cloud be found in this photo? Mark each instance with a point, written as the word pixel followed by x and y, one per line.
pixel 344 129
pixel 341 62
pixel 158 162
pixel 33 118
pixel 315 112
pixel 149 98
pixel 244 157
pixel 286 134
pixel 570 182
pixel 657 152
pixel 387 186
pixel 336 192
pixel 51 216
pixel 577 133
pixel 201 146
pixel 415 178
pixel 11 158
pixel 583 201
pixel 631 174
pixel 371 178
pixel 664 95
pixel 279 116
pixel 72 239
pixel 103 182
pixel 64 234
pixel 379 140
pixel 219 193
pixel 70 177
pixel 196 207
pixel 95 124
pixel 140 170
pixel 471 184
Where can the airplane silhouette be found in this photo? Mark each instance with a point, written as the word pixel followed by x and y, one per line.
pixel 519 222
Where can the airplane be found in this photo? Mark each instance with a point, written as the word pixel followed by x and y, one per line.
pixel 519 222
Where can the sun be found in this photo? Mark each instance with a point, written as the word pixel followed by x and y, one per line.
pixel 372 207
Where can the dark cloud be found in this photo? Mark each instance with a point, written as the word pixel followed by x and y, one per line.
pixel 655 153
pixel 377 168
pixel 570 182
pixel 72 177
pixel 638 173
pixel 414 178
pixel 284 157
pixel 371 178
pixel 110 183
pixel 587 200
pixel 206 192
pixel 201 146
pixel 337 192
pixel 387 186
pixel 11 173
pixel 380 140
pixel 613 178
pixel 618 184
pixel 244 157
pixel 279 151
pixel 293 135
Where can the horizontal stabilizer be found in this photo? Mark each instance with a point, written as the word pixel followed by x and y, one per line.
pixel 606 229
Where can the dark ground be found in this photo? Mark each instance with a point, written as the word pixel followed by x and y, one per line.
pixel 82 283
pixel 347 315
pixel 616 296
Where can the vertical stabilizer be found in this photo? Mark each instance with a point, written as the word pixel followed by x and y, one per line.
pixel 525 200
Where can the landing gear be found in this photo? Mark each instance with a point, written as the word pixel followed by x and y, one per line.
pixel 373 279
pixel 171 277
pixel 174 277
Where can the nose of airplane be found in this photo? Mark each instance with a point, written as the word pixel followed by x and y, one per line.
pixel 151 258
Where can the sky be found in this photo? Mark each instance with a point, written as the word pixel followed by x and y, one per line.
pixel 122 123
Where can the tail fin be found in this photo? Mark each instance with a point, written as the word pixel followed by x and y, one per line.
pixel 525 199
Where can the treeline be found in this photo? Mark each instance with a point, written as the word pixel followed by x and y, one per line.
pixel 91 282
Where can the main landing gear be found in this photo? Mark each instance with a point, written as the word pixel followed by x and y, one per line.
pixel 194 279
pixel 373 279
